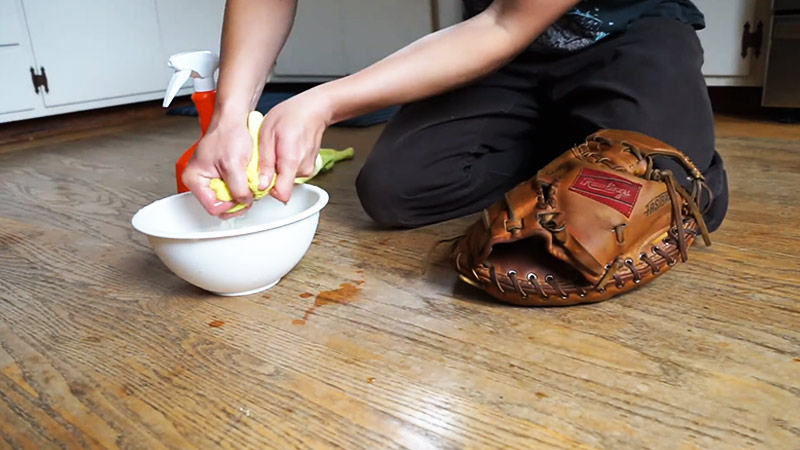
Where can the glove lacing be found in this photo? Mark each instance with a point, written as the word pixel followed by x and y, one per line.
pixel 677 194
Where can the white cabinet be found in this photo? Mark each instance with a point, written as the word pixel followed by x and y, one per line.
pixel 332 38
pixel 449 12
pixel 315 47
pixel 188 25
pixel 376 28
pixel 722 41
pixel 16 62
pixel 95 49
pixel 10 29
pixel 98 53
pixel 15 77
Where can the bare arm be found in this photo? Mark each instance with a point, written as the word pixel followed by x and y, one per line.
pixel 253 34
pixel 254 31
pixel 445 59
pixel 291 133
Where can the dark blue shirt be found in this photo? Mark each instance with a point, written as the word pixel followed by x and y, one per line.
pixel 592 20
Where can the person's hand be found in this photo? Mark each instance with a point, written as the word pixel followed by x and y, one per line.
pixel 290 139
pixel 222 153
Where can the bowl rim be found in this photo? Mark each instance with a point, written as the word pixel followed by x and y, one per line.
pixel 322 201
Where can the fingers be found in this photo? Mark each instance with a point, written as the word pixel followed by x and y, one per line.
pixel 241 212
pixel 289 141
pixel 198 184
pixel 288 160
pixel 234 172
pixel 266 157
pixel 294 159
pixel 221 154
pixel 306 168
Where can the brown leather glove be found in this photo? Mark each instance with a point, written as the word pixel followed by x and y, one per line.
pixel 597 221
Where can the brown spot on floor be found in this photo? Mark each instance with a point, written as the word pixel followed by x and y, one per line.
pixel 306 295
pixel 125 390
pixel 216 323
pixel 346 293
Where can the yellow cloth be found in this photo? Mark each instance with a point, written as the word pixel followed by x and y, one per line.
pixel 325 161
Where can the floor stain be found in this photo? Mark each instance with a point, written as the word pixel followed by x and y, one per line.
pixel 125 390
pixel 346 293
pixel 216 323
pixel 796 360
pixel 542 395
pixel 371 380
pixel 306 295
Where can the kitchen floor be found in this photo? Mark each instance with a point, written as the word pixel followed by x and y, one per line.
pixel 362 346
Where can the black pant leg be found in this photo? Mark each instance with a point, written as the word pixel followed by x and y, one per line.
pixel 649 80
pixel 452 154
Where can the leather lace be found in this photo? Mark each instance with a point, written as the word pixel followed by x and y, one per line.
pixel 682 202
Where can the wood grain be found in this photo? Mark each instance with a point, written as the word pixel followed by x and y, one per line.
pixel 102 347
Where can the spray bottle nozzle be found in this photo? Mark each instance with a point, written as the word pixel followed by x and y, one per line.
pixel 200 66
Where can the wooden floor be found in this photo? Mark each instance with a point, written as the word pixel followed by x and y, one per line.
pixel 101 346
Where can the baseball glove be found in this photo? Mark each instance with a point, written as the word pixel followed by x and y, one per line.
pixel 597 221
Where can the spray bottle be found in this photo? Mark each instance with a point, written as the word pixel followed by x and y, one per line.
pixel 200 66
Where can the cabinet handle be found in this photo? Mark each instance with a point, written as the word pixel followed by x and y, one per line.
pixel 39 80
pixel 752 40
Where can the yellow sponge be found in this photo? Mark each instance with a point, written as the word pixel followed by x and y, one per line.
pixel 221 189
pixel 325 161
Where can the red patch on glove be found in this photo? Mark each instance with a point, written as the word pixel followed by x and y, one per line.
pixel 608 189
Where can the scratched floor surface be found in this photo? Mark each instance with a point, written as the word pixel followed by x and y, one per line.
pixel 101 346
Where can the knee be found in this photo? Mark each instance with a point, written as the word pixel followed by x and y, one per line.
pixel 717 181
pixel 379 190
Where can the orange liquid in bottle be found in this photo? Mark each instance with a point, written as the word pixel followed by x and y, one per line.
pixel 204 102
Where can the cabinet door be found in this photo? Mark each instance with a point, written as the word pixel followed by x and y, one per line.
pixel 450 12
pixel 15 78
pixel 10 22
pixel 188 25
pixel 96 49
pixel 15 62
pixel 722 37
pixel 374 29
pixel 316 44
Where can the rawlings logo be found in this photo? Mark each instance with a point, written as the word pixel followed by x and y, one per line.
pixel 608 189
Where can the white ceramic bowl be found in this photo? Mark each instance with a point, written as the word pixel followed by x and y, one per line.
pixel 241 256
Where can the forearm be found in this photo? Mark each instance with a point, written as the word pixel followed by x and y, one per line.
pixel 444 60
pixel 253 34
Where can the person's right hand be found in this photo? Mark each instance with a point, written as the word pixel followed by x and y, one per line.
pixel 223 153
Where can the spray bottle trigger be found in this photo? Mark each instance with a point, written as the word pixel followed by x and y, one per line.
pixel 178 79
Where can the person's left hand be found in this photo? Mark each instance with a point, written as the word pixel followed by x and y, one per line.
pixel 289 141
